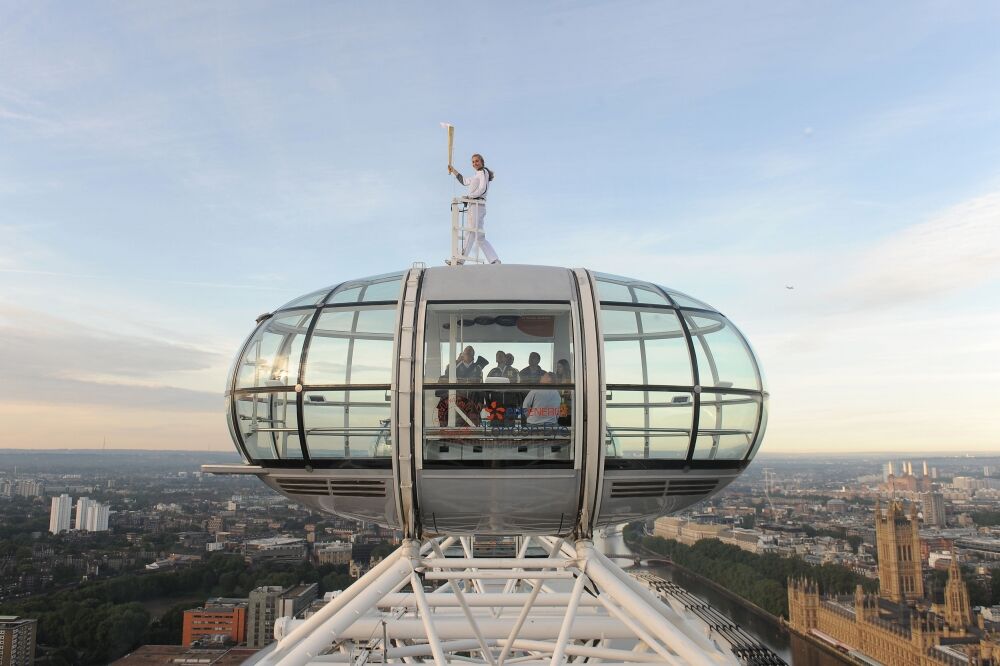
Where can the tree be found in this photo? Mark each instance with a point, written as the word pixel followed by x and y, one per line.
pixel 168 629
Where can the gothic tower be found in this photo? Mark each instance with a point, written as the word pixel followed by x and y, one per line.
pixel 803 604
pixel 957 611
pixel 898 540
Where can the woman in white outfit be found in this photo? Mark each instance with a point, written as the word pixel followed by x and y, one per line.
pixel 478 185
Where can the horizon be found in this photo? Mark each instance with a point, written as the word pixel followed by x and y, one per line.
pixel 827 177
pixel 895 455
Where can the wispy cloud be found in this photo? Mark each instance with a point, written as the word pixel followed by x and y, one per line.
pixel 56 361
pixel 957 249
pixel 187 283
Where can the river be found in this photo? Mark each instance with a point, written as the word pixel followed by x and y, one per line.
pixel 795 650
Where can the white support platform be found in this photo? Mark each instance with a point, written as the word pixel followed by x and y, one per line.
pixel 459 228
pixel 419 606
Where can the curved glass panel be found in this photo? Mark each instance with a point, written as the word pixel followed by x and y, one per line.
pixel 236 364
pixel 378 288
pixel 614 288
pixel 724 360
pixel 272 357
pixel 645 425
pixel 685 301
pixel 762 428
pixel 269 425
pixel 229 419
pixel 314 298
pixel 644 346
pixel 386 290
pixel 726 426
pixel 352 346
pixel 347 424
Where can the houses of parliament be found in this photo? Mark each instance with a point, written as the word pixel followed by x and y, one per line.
pixel 900 626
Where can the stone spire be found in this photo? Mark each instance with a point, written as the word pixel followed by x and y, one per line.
pixel 957 610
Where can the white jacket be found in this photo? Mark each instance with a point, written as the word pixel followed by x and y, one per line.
pixel 478 184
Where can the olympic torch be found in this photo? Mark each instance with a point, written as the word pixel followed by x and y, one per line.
pixel 451 141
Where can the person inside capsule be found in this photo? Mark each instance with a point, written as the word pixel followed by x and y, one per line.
pixel 563 376
pixel 541 406
pixel 503 398
pixel 467 370
pixel 533 373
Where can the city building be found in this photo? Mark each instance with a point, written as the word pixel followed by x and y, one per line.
pixel 335 552
pixel 17 640
pixel 898 626
pixel 836 505
pixel 933 504
pixel 270 602
pixel 897 538
pixel 907 483
pixel 91 516
pixel 218 621
pixel 689 533
pixel 97 517
pixel 261 614
pixel 60 514
pixel 82 505
pixel 278 549
pixel 172 655
pixel 29 488
pixel 296 599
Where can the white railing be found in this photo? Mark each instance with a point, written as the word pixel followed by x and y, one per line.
pixel 459 228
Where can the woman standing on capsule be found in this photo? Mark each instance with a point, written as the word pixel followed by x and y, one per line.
pixel 478 185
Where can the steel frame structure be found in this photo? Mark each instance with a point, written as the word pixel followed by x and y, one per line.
pixel 574 604
pixel 459 227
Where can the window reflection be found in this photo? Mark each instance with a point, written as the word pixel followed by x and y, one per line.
pixel 272 357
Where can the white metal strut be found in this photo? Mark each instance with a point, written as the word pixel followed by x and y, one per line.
pixel 421 605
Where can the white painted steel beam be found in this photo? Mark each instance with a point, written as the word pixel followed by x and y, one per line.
pixel 602 616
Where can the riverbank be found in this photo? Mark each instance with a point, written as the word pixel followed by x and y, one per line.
pixel 708 582
pixel 797 649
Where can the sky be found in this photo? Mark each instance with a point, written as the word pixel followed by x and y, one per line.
pixel 170 170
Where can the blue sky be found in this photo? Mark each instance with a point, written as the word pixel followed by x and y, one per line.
pixel 169 171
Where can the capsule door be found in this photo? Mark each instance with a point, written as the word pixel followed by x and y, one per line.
pixel 497 450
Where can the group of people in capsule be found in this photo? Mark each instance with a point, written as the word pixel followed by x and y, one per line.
pixel 536 407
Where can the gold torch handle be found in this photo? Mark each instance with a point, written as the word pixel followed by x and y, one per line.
pixel 451 144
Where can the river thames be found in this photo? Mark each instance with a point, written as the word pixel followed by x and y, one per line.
pixel 793 649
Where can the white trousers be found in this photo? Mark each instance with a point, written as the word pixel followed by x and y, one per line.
pixel 475 232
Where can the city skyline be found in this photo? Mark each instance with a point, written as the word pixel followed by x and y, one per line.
pixel 828 178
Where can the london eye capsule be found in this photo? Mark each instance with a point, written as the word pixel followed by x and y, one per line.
pixel 499 399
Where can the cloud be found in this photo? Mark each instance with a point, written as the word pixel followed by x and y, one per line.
pixel 58 362
pixel 957 249
pixel 186 283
